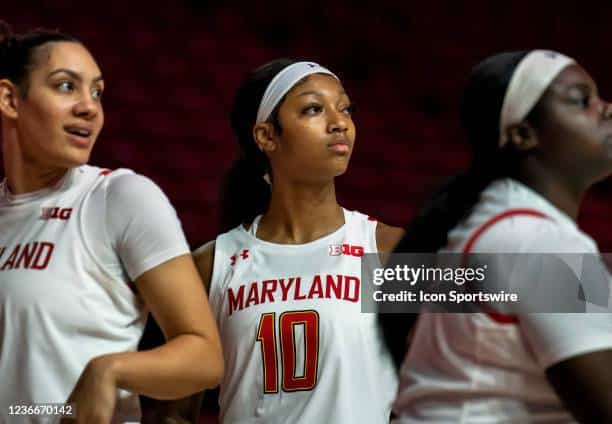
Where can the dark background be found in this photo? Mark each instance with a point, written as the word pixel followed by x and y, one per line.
pixel 171 69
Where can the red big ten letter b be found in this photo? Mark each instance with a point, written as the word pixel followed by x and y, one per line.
pixel 335 250
pixel 65 213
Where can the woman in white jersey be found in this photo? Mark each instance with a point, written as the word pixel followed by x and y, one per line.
pixel 541 136
pixel 85 253
pixel 284 282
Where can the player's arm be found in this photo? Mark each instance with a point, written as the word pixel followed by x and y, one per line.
pixel 204 260
pixel 186 410
pixel 155 256
pixel 584 384
pixel 576 352
pixel 396 328
pixel 188 362
pixel 191 359
pixel 387 238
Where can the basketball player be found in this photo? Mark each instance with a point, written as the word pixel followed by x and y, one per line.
pixel 85 253
pixel 541 136
pixel 284 283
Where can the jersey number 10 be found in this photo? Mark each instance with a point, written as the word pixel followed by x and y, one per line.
pixel 266 335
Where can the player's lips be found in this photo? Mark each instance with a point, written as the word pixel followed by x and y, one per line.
pixel 340 145
pixel 79 134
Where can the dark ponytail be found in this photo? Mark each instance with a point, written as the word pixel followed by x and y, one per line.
pixel 18 53
pixel 244 193
pixel 481 106
pixel 480 111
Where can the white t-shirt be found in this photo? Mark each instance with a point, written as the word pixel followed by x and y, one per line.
pixel 68 257
pixel 479 368
pixel 297 347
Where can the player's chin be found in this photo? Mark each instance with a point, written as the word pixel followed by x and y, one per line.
pixel 599 167
pixel 340 168
pixel 76 158
pixel 604 170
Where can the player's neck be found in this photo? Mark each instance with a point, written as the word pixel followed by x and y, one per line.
pixel 564 195
pixel 23 177
pixel 300 214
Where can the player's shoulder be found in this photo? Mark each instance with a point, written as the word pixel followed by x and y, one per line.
pixel 124 183
pixel 98 172
pixel 204 253
pixel 535 234
pixel 225 244
pixel 387 236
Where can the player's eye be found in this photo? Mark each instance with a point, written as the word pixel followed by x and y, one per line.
pixel 65 86
pixel 312 109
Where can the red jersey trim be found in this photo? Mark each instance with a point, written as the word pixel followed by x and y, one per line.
pixel 495 316
pixel 105 172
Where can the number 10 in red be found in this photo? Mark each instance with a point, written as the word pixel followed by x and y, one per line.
pixel 266 335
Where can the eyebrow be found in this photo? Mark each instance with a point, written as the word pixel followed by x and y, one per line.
pixel 578 85
pixel 318 93
pixel 73 74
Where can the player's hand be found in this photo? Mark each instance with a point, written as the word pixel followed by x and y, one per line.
pixel 94 395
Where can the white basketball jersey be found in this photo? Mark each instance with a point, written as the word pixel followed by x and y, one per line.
pixel 297 347
pixel 60 306
pixel 490 368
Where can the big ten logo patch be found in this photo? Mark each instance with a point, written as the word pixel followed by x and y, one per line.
pixel 244 254
pixel 62 214
pixel 345 249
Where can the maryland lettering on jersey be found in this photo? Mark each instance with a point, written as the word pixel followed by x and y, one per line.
pixel 341 287
pixel 34 255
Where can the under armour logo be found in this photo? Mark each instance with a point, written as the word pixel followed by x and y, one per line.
pixel 244 255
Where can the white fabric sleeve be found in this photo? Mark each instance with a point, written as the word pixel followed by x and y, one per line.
pixel 555 337
pixel 141 224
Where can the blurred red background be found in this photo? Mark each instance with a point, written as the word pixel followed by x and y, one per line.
pixel 171 69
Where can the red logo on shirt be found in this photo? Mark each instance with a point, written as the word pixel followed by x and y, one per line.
pixel 244 255
pixel 56 213
pixel 345 249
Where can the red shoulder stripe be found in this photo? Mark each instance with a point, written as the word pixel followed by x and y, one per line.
pixel 494 220
pixel 105 172
pixel 495 316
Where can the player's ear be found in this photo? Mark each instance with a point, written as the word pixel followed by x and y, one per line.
pixel 265 136
pixel 9 97
pixel 522 136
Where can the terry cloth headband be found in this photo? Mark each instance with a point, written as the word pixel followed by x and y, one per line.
pixel 529 81
pixel 283 82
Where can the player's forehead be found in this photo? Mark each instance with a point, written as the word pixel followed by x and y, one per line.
pixel 573 76
pixel 65 55
pixel 317 85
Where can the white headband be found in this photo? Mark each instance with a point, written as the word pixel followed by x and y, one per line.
pixel 283 82
pixel 529 81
